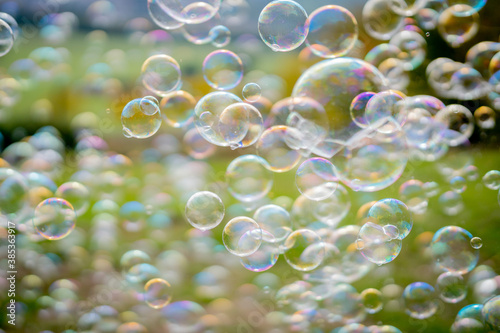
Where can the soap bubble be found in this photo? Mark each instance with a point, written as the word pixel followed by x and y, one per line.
pixel 452 251
pixel 12 23
pixel 138 119
pixel 377 246
pixel 191 11
pixel 184 316
pixel 130 327
pixel 242 236
pixel 13 191
pixel 458 29
pixel 196 146
pixel 458 122
pixel 492 179
pixel 54 218
pixel 315 179
pixel 491 313
pixel 265 257
pixel 380 20
pixel 283 25
pixel 6 38
pixel 132 258
pixel 161 74
pixel 392 212
pixel 220 36
pixel 372 300
pixel 358 108
pixel 273 220
pixel 485 117
pixel 472 311
pixel 451 287
pixel 407 7
pixel 458 184
pixel 475 6
pixel 204 210
pixel 413 48
pixel 419 299
pixel 333 31
pixel 76 194
pixel 451 203
pixel 304 250
pixel 414 193
pixel 248 178
pixel 161 17
pixel 467 325
pixel 241 125
pixel 222 70
pixel 251 92
pixel 384 106
pixel 158 293
pixel 274 148
pixel 476 242
pixel 177 108
pixel 199 33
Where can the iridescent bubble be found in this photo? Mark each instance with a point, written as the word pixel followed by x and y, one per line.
pixel 372 300
pixel 452 251
pixel 177 108
pixel 491 179
pixel 315 179
pixel 458 122
pixel 161 74
pixel 138 119
pixel 472 311
pixel 283 25
pixel 467 325
pixel 458 29
pixel 413 48
pixel 382 52
pixel 275 221
pixel 458 184
pixel 241 125
pixel 75 193
pixel 220 35
pixel 184 316
pixel 248 178
pixel 394 71
pixel 392 212
pixel 475 6
pixel 377 246
pixel 222 70
pixel 451 287
pixel 414 194
pixel 333 31
pixel 191 11
pixel 157 293
pixel 54 218
pixel 6 38
pixel 251 92
pixel 494 64
pixel 265 257
pixel 199 33
pixel 451 203
pixel 242 236
pixel 161 17
pixel 419 299
pixel 384 106
pixel 485 117
pixel 204 210
pixel 468 84
pixel 491 313
pixel 273 146
pixel 380 20
pixel 358 108
pixel 304 250
pixel 476 243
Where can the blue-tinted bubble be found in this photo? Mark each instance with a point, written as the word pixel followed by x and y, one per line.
pixel 220 36
pixel 222 70
pixel 419 299
pixel 265 257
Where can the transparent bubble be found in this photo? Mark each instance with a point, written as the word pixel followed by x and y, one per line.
pixel 414 194
pixel 315 179
pixel 138 121
pixel 248 178
pixel 491 313
pixel 251 92
pixel 222 70
pixel 419 299
pixel 458 122
pixel 54 218
pixel 177 108
pixel 207 113
pixel 471 173
pixel 485 117
pixel 358 108
pixel 273 146
pixel 413 48
pixel 191 11
pixel 392 212
pixel 157 293
pixel 161 16
pixel 333 31
pixel 196 146
pixel 451 203
pixel 382 52
pixel 384 106
pixel 275 221
pixel 476 243
pixel 458 29
pixel 345 302
pixel 283 25
pixel 380 20
pixel 372 300
pixel 452 251
pixel 242 236
pixel 75 193
pixel 132 258
pixel 304 250
pixel 265 257
pixel 451 287
pixel 407 7
pixel 458 184
pixel 241 125
pixel 12 23
pixel 492 180
pixel 204 210
pixel 394 71
pixel 199 33
pixel 161 74
pixel 475 6
pixel 220 35
pixel 6 38
pixel 377 246
pixel 13 191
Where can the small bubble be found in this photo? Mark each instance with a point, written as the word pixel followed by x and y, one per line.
pixel 476 242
